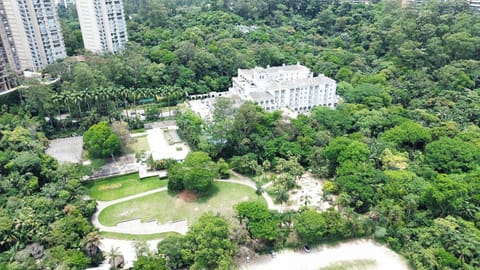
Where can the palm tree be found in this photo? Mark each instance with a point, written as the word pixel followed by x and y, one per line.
pixel 307 199
pixel 124 93
pixel 56 100
pixel 103 96
pixel 171 92
pixel 92 240
pixel 113 255
pixel 281 196
pixel 77 99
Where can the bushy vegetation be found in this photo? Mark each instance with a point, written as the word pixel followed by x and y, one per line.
pixel 44 219
pixel 401 150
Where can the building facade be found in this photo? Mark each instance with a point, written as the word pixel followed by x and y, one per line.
pixel 8 57
pixel 35 31
pixel 287 86
pixel 65 3
pixel 474 4
pixel 103 25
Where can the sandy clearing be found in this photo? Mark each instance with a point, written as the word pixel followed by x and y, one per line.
pixel 125 248
pixel 66 149
pixel 326 255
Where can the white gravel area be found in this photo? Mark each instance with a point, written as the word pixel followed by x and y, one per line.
pixel 160 149
pixel 324 256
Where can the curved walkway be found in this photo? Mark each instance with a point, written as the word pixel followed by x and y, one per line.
pixel 135 226
pixel 243 180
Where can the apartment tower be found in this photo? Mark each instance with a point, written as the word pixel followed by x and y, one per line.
pixel 8 57
pixel 103 25
pixel 30 37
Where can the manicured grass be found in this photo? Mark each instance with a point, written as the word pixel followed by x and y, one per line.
pixel 141 237
pixel 139 130
pixel 165 207
pixel 139 145
pixel 121 186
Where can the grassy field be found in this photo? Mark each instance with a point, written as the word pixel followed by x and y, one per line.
pixel 121 186
pixel 165 207
pixel 139 145
pixel 140 237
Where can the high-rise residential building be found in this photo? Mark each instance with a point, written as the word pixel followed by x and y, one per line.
pixel 65 3
pixel 287 86
pixel 474 4
pixel 35 31
pixel 8 57
pixel 103 25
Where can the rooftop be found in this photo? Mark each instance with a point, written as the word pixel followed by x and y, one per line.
pixel 261 95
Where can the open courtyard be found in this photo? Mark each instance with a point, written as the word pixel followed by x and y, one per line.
pixel 164 144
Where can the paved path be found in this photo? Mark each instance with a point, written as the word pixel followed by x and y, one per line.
pixel 135 226
pixel 243 180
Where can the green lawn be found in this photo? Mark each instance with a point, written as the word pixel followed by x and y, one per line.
pixel 140 237
pixel 165 207
pixel 121 186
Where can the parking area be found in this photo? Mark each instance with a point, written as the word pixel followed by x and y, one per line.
pixel 66 149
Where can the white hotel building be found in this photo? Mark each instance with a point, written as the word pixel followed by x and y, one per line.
pixel 103 25
pixel 287 86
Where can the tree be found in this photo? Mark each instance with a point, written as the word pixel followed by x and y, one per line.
pixel 100 141
pixel 150 263
pixel 196 173
pixel 171 248
pixel 114 257
pixel 261 223
pixel 207 244
pixel 409 135
pixel 310 226
pixel 449 155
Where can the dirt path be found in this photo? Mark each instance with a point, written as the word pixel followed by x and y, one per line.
pixel 135 226
pixel 324 256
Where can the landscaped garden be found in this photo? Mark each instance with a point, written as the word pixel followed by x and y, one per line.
pixel 121 186
pixel 165 207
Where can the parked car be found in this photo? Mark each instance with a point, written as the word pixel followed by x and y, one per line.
pixel 274 255
pixel 306 248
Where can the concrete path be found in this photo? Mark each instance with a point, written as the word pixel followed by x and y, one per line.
pixel 243 180
pixel 135 226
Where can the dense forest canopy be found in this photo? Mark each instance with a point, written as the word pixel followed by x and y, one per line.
pixel 401 151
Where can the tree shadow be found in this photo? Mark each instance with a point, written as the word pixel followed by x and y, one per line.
pixel 211 192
